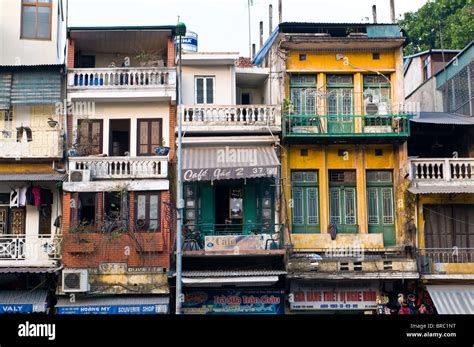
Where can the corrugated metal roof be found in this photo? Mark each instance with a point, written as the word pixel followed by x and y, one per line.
pixel 452 299
pixel 5 90
pixel 36 297
pixel 38 87
pixel 233 273
pixel 116 300
pixel 441 190
pixel 33 177
pixel 442 118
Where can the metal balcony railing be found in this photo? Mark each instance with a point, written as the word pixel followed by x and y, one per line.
pixel 428 258
pixel 304 125
pixel 194 235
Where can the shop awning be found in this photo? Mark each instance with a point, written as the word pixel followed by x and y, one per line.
pixel 33 177
pixel 219 278
pixel 23 301
pixel 229 162
pixel 452 299
pixel 35 270
pixel 119 304
pixel 441 190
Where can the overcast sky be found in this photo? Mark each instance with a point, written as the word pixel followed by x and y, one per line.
pixel 222 25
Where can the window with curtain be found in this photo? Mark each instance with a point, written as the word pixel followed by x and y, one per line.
pixel 204 89
pixel 36 17
pixel 147 211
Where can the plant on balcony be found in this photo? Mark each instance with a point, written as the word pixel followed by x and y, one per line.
pixel 148 58
pixel 287 106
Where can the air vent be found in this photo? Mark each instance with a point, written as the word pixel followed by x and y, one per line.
pixel 337 176
pixel 387 265
pixel 344 266
pixel 358 266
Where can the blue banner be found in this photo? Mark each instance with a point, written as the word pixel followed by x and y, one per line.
pixel 112 309
pixel 21 308
pixel 233 301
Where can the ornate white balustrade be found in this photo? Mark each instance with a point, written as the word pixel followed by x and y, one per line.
pixel 121 78
pixel 34 250
pixel 231 115
pixel 442 170
pixel 121 167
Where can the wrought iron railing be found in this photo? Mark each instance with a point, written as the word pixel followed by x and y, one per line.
pixel 270 235
pixel 429 257
pixel 304 125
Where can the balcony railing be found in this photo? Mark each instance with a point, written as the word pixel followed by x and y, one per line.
pixel 121 78
pixel 45 142
pixel 391 125
pixel 435 260
pixel 261 236
pixel 442 170
pixel 232 115
pixel 36 250
pixel 121 167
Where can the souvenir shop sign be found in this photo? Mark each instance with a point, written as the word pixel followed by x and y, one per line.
pixel 222 301
pixel 306 297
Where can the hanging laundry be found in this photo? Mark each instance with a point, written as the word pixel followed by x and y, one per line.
pixel 15 197
pixel 46 197
pixel 19 134
pixel 37 196
pixel 30 198
pixel 22 196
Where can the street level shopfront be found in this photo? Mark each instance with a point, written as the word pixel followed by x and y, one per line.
pixel 230 195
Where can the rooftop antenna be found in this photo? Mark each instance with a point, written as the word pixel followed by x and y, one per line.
pixel 250 3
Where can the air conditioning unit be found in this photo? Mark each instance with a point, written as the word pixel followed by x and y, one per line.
pixel 75 280
pixel 79 176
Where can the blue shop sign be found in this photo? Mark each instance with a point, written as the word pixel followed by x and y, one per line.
pixel 21 308
pixel 114 309
pixel 233 301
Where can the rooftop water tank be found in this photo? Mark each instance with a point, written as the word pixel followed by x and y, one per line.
pixel 190 42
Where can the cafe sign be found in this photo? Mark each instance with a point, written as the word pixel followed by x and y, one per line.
pixel 211 174
pixel 305 296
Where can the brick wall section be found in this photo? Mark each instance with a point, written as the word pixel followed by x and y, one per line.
pixel 70 53
pixel 66 219
pixel 172 135
pixel 97 248
pixel 131 209
pixel 69 129
pixel 171 52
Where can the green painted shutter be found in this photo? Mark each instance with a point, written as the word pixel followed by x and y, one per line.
pixel 207 208
pixel 250 208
